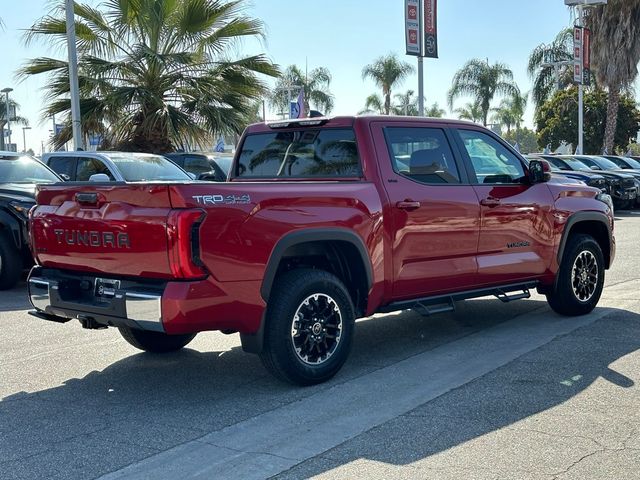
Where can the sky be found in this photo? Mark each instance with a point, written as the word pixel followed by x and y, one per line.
pixel 342 35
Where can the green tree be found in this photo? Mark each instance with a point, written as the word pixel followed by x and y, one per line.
pixel 316 87
pixel 615 54
pixel 14 118
pixel 557 120
pixel 155 73
pixel 434 111
pixel 406 104
pixel 374 104
pixel 525 138
pixel 387 72
pixel 482 82
pixel 471 111
pixel 546 78
pixel 511 111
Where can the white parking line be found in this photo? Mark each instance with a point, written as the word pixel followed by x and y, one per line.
pixel 275 441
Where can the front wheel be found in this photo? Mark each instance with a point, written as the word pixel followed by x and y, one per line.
pixel 309 327
pixel 155 342
pixel 580 279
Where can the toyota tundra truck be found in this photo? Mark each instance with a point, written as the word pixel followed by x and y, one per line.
pixel 322 221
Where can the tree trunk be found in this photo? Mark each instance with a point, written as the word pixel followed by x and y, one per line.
pixel 612 119
pixel 387 103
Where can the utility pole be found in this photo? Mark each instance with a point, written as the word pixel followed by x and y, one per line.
pixel 73 77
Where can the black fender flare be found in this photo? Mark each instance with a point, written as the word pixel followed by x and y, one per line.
pixel 312 235
pixel 580 217
pixel 253 343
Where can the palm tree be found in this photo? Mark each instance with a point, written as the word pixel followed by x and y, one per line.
pixel 155 73
pixel 316 89
pixel 471 111
pixel 434 111
pixel 615 54
pixel 373 104
pixel 547 78
pixel 13 107
pixel 387 72
pixel 511 111
pixel 482 82
pixel 407 104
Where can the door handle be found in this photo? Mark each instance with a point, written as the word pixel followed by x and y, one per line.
pixel 490 202
pixel 408 205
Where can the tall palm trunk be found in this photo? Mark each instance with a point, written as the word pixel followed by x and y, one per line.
pixel 612 119
pixel 387 102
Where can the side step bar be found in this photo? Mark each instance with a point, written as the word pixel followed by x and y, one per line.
pixel 446 303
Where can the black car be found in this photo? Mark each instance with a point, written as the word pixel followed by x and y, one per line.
pixel 206 166
pixel 19 175
pixel 620 186
pixel 587 176
pixel 604 167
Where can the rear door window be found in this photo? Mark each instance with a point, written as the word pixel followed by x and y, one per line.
pixel 64 166
pixel 304 153
pixel 91 166
pixel 197 164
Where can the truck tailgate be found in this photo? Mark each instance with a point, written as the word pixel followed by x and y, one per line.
pixel 116 229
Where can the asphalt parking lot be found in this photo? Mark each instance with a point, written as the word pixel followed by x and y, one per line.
pixel 492 391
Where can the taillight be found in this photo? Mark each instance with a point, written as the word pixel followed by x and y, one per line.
pixel 183 235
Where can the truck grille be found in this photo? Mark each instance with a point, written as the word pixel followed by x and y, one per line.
pixel 628 183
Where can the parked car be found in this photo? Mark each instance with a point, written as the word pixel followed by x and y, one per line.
pixel 602 165
pixel 19 175
pixel 205 166
pixel 318 226
pixel 117 166
pixel 621 186
pixel 587 176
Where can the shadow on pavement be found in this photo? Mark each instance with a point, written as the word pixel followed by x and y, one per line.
pixel 541 380
pixel 145 403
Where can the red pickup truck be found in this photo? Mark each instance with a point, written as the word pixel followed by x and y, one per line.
pixel 322 221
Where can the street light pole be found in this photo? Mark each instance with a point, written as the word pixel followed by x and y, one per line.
pixel 73 76
pixel 581 94
pixel 24 138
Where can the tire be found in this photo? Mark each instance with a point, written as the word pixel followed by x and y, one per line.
pixel 155 342
pixel 328 323
pixel 10 263
pixel 580 279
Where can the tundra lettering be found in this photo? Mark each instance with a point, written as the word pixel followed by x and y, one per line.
pixel 92 238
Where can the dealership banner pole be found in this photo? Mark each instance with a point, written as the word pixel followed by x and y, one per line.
pixel 421 86
pixel 580 86
pixel 73 76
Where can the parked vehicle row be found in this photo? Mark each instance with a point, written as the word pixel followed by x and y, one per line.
pixel 617 176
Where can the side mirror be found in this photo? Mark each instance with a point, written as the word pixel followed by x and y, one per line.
pixel 539 171
pixel 65 177
pixel 99 177
pixel 209 177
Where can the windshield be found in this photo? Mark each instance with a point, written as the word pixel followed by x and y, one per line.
pixel 626 163
pixel 224 163
pixel 576 164
pixel 606 164
pixel 142 167
pixel 25 170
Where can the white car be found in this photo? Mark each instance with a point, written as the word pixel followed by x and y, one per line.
pixel 116 166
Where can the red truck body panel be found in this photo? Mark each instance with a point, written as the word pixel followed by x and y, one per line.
pixel 450 242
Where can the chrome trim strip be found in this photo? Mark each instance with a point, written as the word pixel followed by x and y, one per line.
pixel 145 309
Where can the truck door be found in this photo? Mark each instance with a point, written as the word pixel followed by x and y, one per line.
pixel 433 211
pixel 516 241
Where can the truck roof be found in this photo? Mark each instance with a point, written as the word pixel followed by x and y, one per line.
pixel 349 121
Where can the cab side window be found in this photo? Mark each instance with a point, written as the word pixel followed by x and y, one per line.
pixel 492 162
pixel 422 154
pixel 197 164
pixel 91 166
pixel 63 166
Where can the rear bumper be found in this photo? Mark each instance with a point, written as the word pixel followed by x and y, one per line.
pixel 168 307
pixel 138 306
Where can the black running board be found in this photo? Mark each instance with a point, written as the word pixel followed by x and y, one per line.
pixel 446 303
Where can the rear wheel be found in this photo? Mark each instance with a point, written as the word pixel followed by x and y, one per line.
pixel 580 279
pixel 10 263
pixel 309 327
pixel 155 342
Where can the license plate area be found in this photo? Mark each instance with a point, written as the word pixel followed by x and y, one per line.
pixel 104 289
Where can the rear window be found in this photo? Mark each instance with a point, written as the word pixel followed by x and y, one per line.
pixel 303 153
